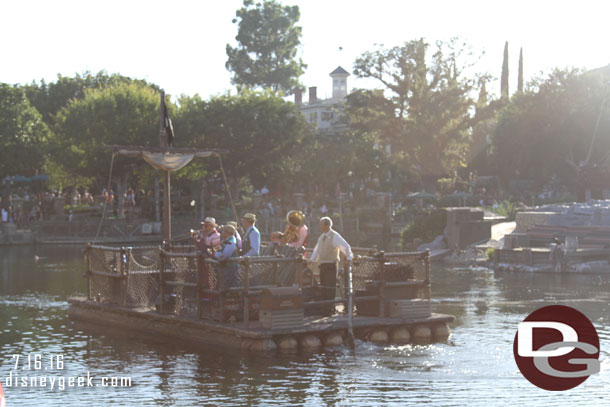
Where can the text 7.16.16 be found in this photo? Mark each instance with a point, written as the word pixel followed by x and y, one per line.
pixel 38 361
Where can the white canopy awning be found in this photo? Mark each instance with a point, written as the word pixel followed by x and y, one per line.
pixel 163 159
pixel 167 161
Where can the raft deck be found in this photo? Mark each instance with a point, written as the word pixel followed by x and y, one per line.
pixel 80 308
pixel 179 293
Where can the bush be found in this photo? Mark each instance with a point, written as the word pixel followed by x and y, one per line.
pixel 490 252
pixel 445 185
pixel 505 208
pixel 426 227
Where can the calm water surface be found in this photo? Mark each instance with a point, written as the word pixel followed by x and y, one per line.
pixel 476 366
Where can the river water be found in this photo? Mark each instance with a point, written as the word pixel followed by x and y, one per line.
pixel 475 367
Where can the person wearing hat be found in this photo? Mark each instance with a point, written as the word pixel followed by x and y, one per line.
pixel 208 237
pixel 228 250
pixel 251 243
pixel 237 235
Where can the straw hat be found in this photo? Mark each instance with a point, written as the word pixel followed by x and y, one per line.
pixel 209 221
pixel 249 216
pixel 229 228
pixel 232 223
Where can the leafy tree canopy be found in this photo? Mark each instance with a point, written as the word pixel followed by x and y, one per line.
pixel 262 132
pixel 552 127
pixel 426 108
pixel 23 134
pixel 124 113
pixel 49 98
pixel 268 38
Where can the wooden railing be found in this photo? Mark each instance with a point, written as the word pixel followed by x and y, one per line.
pixel 115 276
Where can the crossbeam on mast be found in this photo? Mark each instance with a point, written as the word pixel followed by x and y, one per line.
pixel 134 150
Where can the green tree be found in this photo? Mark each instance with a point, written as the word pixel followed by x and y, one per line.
pixel 372 129
pixel 551 128
pixel 50 98
pixel 329 159
pixel 482 132
pixel 520 77
pixel 429 118
pixel 24 136
pixel 263 133
pixel 504 78
pixel 268 37
pixel 124 114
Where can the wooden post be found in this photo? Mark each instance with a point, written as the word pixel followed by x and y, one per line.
pixel 126 258
pixel 198 289
pixel 220 279
pixel 341 213
pixel 87 255
pixel 161 282
pixel 164 143
pixel 382 285
pixel 345 293
pixel 246 265
pixel 157 199
pixel 350 305
pixel 167 204
pixel 427 265
pixel 123 280
pixel 300 272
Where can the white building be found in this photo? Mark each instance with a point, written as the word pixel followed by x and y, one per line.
pixel 325 115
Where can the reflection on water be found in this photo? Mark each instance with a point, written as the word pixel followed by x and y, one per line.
pixel 475 367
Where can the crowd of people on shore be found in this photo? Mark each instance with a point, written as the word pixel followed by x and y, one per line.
pixel 23 207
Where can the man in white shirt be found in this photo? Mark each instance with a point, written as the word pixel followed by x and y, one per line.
pixel 326 253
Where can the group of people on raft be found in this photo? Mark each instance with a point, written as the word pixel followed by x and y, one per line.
pixel 226 242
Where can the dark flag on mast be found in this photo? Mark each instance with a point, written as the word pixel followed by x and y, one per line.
pixel 167 124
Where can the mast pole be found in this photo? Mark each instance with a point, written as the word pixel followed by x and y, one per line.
pixel 164 143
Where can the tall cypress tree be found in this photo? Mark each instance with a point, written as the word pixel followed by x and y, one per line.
pixel 520 78
pixel 482 102
pixel 504 79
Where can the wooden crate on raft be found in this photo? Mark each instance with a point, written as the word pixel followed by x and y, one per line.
pixel 281 308
pixel 409 309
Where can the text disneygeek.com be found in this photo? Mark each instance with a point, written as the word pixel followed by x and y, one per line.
pixel 26 370
pixel 61 382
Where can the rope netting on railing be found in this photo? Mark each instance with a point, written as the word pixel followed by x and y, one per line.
pixel 125 276
pixel 180 278
pixel 105 275
pixel 369 268
pixel 406 266
pixel 142 276
pixel 197 286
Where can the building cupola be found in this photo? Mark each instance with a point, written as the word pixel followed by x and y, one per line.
pixel 339 76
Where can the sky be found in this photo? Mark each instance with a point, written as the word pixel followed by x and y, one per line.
pixel 180 44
